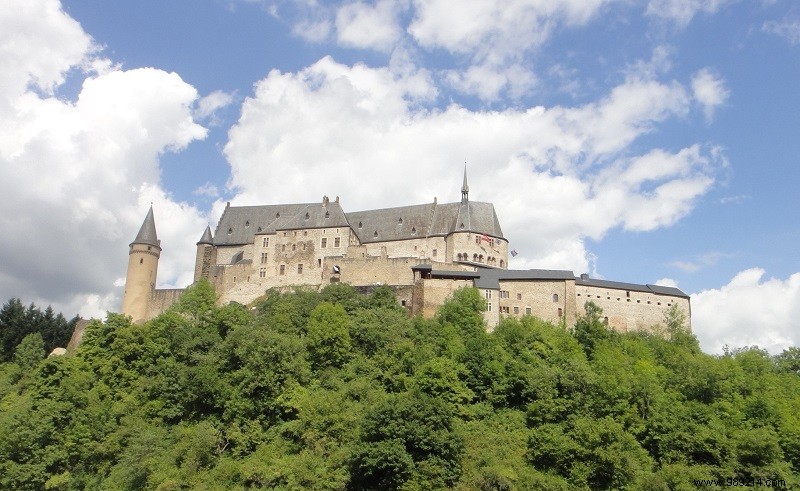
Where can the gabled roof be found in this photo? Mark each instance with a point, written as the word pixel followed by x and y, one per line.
pixel 490 278
pixel 147 232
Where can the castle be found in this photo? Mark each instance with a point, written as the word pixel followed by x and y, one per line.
pixel 424 252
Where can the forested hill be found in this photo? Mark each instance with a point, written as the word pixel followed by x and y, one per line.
pixel 337 391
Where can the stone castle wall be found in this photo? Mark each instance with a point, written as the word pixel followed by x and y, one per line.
pixel 629 310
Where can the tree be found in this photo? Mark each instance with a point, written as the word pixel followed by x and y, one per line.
pixel 590 330
pixel 328 337
pixel 29 352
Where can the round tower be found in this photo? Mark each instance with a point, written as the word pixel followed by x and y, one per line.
pixel 140 280
pixel 206 255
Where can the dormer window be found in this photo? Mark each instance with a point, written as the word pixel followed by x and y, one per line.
pixel 375 234
pixel 259 229
pixel 247 223
pixel 327 214
pixel 462 224
pixel 413 230
pixel 400 221
pixel 360 224
pixel 307 216
pixel 230 231
pixel 278 215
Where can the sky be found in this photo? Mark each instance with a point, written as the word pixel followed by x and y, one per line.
pixel 652 141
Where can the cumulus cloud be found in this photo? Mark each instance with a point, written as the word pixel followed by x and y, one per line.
pixel 556 175
pixel 681 12
pixel 700 262
pixel 747 311
pixel 376 26
pixel 76 177
pixel 709 91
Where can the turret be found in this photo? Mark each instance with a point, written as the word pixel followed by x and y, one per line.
pixel 140 280
pixel 206 255
pixel 465 187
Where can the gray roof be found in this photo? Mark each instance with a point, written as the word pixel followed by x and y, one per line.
pixel 147 232
pixel 432 219
pixel 618 285
pixel 490 278
pixel 206 238
pixel 240 224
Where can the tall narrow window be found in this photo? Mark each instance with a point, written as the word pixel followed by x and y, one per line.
pixel 263 273
pixel 323 243
pixel 336 242
pixel 265 242
pixel 282 270
pixel 263 257
pixel 560 312
pixel 434 253
pixel 555 297
pixel 300 268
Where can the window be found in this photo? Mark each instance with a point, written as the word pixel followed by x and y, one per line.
pixel 489 307
pixel 488 294
pixel 336 242
pixel 560 313
pixel 283 247
pixel 504 310
pixel 265 242
pixel 263 273
pixel 478 239
pixel 319 262
pixel 434 253
pixel 516 310
pixel 282 270
pixel 519 296
pixel 323 243
pixel 300 268
pixel 294 247
pixel 263 257
pixel 502 263
pixel 555 297
pixel 141 261
pixel 605 320
pixel 527 311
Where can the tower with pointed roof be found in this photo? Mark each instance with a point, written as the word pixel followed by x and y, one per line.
pixel 140 281
pixel 206 255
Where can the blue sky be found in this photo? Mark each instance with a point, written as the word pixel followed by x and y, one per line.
pixel 652 141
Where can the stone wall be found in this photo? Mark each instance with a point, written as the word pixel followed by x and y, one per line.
pixel 630 310
pixel 550 300
pixel 162 299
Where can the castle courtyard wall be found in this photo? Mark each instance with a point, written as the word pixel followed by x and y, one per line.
pixel 630 310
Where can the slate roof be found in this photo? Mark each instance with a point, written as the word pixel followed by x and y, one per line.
pixel 618 285
pixel 239 224
pixel 428 220
pixel 147 232
pixel 206 238
pixel 490 278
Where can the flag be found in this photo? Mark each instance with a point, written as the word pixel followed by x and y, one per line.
pixel 513 253
pixel 486 238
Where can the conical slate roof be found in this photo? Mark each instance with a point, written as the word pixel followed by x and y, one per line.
pixel 206 238
pixel 147 233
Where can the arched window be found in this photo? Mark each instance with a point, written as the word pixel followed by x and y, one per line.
pixel 502 263
pixel 555 297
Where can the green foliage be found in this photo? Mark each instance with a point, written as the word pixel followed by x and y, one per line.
pixel 17 322
pixel 336 390
pixel 29 352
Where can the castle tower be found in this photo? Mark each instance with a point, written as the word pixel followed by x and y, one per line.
pixel 206 255
pixel 142 269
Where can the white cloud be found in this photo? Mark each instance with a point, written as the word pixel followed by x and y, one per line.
pixel 207 189
pixel 700 262
pixel 750 310
pixel 76 178
pixel 667 282
pixel 788 28
pixel 681 12
pixel 556 175
pixel 709 91
pixel 210 104
pixel 376 26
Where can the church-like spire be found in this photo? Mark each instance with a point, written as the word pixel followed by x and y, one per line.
pixel 206 238
pixel 465 187
pixel 147 233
